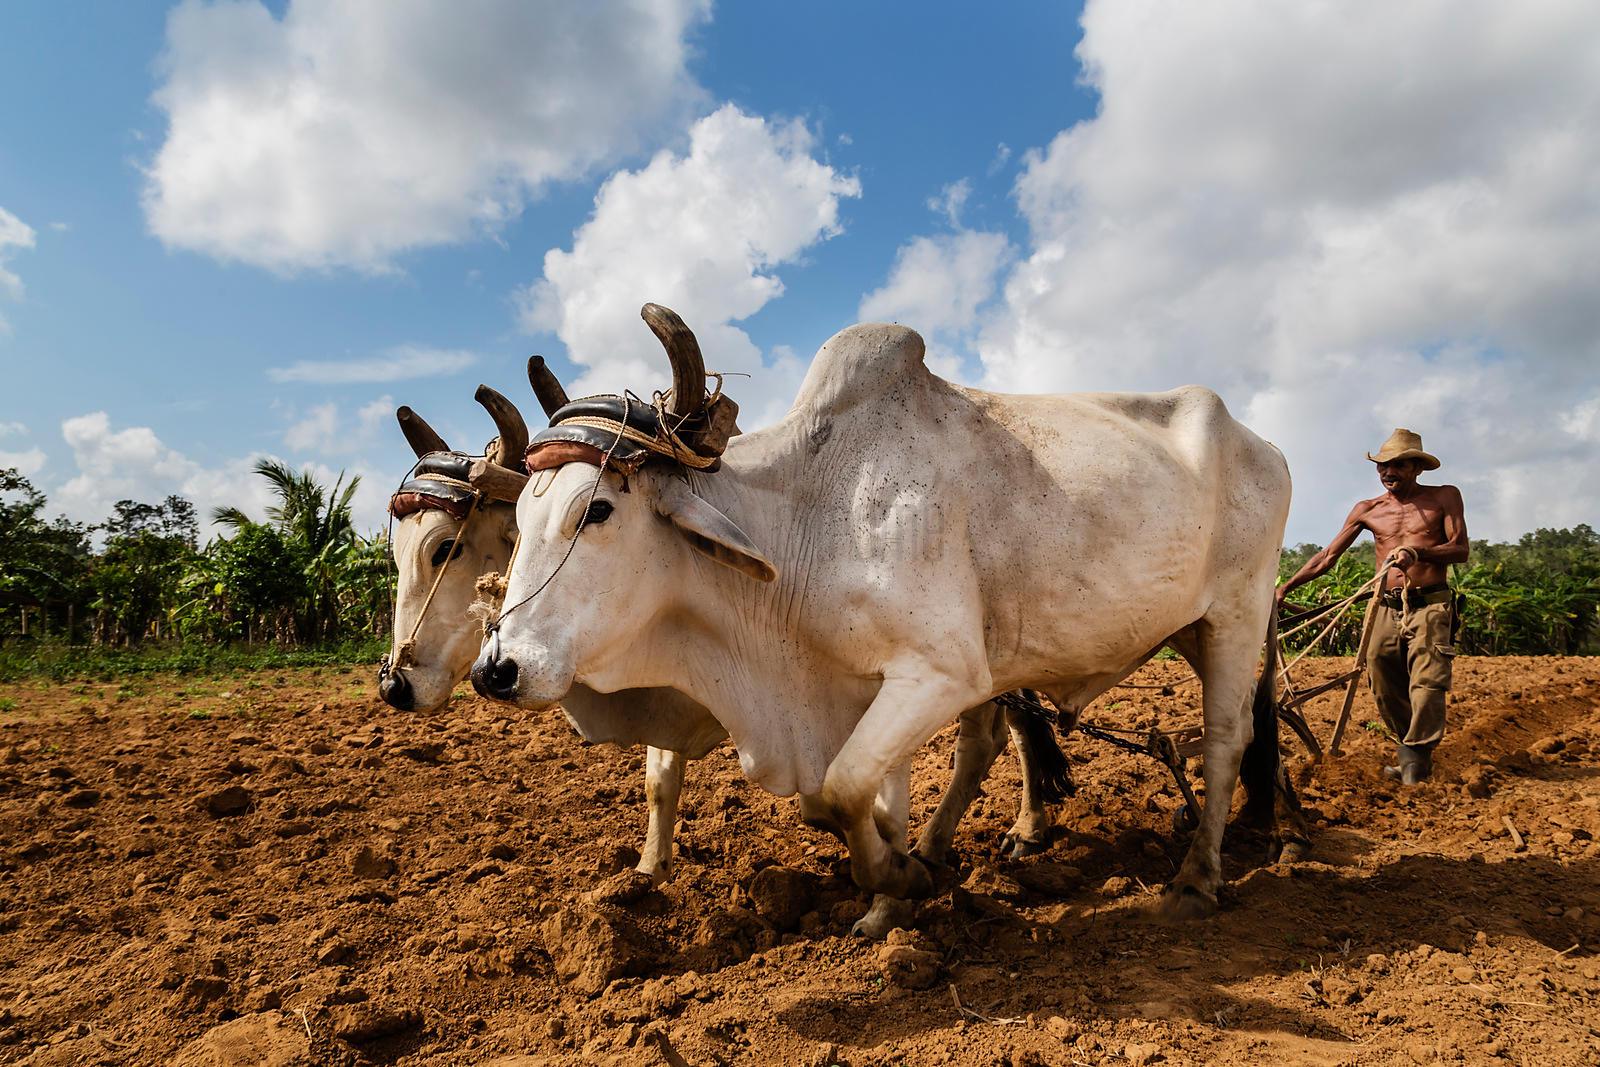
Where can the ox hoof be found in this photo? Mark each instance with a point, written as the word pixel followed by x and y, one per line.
pixel 659 876
pixel 885 914
pixel 1293 851
pixel 1018 847
pixel 1185 903
pixel 624 887
pixel 907 877
pixel 928 859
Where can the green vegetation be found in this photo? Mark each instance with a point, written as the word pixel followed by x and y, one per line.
pixel 58 661
pixel 138 593
pixel 1538 596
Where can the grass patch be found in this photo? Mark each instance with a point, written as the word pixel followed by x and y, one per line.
pixel 62 662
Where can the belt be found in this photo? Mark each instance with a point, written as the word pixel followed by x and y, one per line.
pixel 1428 594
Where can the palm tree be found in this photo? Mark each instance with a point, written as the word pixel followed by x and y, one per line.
pixel 319 526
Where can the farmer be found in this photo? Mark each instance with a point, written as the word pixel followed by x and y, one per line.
pixel 1418 530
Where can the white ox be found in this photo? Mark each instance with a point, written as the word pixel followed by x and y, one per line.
pixel 897 549
pixel 441 555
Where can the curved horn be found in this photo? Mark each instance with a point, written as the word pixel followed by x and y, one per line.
pixel 546 386
pixel 507 420
pixel 419 434
pixel 688 368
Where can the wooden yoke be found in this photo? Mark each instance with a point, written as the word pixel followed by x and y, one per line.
pixel 496 482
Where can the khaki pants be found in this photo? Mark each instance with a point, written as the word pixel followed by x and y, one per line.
pixel 1410 671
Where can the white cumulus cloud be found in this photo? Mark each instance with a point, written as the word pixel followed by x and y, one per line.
pixel 702 233
pixel 324 428
pixel 397 364
pixel 937 285
pixel 1345 219
pixel 133 463
pixel 29 462
pixel 349 131
pixel 14 234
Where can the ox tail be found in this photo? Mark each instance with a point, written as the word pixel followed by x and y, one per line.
pixel 1044 760
pixel 1259 770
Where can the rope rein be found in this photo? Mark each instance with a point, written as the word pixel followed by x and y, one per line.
pixel 583 519
pixel 387 664
pixel 1332 613
pixel 1336 611
pixel 403 654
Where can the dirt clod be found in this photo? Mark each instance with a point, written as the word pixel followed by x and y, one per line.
pixel 368 862
pixel 228 801
pixel 267 1039
pixel 368 1021
pixel 782 895
pixel 1140 1053
pixel 588 949
pixel 909 967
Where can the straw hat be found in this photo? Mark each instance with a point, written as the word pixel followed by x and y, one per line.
pixel 1403 444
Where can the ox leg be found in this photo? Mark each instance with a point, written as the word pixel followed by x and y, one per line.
pixel 890 811
pixel 1046 778
pixel 904 714
pixel 663 784
pixel 1227 673
pixel 980 739
pixel 815 813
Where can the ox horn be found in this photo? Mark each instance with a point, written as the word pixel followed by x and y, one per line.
pixel 419 434
pixel 507 420
pixel 546 386
pixel 688 367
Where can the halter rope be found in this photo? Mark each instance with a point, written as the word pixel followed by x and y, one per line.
pixel 583 519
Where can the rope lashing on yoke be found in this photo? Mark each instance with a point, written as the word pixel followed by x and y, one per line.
pixel 632 431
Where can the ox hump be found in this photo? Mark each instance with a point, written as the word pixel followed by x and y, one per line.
pixel 861 362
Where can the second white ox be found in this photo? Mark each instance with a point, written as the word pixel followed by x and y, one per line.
pixel 896 550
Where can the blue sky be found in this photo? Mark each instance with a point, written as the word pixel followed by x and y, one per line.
pixel 1124 197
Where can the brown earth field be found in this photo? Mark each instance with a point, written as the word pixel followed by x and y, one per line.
pixel 274 868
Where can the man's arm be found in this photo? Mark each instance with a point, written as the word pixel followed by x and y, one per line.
pixel 1455 548
pixel 1323 561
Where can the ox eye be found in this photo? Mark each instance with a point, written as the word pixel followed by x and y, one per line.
pixel 443 551
pixel 598 512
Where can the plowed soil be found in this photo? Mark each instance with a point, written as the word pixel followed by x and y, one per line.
pixel 276 868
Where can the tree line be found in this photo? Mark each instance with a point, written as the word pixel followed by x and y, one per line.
pixel 304 576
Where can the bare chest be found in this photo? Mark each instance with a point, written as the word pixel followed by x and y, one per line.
pixel 1419 520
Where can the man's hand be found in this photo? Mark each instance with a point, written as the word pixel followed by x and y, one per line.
pixel 1404 557
pixel 1277 597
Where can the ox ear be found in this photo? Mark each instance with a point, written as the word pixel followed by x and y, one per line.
pixel 710 532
